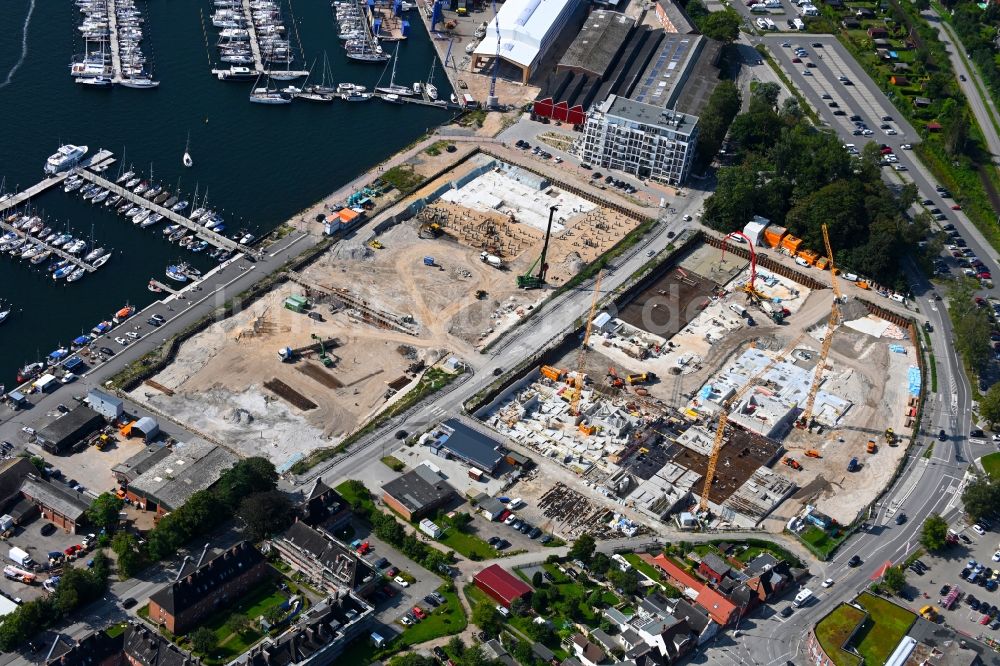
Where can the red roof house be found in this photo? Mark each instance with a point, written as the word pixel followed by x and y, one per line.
pixel 677 576
pixel 719 608
pixel 501 585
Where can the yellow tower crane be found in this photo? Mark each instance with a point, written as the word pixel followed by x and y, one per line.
pixel 582 354
pixel 720 431
pixel 805 419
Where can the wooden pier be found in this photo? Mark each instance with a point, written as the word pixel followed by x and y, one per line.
pixel 165 287
pixel 97 160
pixel 422 101
pixel 35 241
pixel 216 239
pixel 116 58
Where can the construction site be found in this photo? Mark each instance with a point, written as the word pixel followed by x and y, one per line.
pixel 719 394
pixel 334 344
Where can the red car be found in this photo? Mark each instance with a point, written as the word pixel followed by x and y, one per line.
pixel 985 275
pixel 887 150
pixel 956 207
pixel 364 548
pixel 391 573
pixel 980 302
pixel 796 59
pixel 419 612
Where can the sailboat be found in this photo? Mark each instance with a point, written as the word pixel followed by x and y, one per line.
pixel 429 87
pixel 188 162
pixel 269 95
pixel 392 88
pixel 326 84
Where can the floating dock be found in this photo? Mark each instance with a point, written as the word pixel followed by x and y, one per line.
pixel 216 239
pixel 116 58
pixel 56 251
pixel 98 160
pixel 258 61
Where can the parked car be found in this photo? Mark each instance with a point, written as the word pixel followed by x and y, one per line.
pixel 854 561
pixel 401 581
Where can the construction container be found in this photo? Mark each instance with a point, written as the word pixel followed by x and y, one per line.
pixel 809 256
pixel 555 374
pixel 822 263
pixel 792 244
pixel 774 234
pixel 297 303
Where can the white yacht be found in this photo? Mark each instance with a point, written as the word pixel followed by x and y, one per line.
pixel 67 157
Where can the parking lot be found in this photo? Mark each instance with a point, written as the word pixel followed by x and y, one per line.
pixel 29 538
pixel 947 568
pixel 389 609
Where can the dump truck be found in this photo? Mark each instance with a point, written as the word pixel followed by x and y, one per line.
pixel 555 374
pixel 853 466
pixel 792 462
pixel 890 437
pixel 640 378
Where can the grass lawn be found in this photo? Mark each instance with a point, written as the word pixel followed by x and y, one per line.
pixel 351 498
pixel 448 618
pixel 820 541
pixel 991 464
pixel 467 545
pixel 253 604
pixel 834 629
pixel 889 623
pixel 116 629
pixel 642 566
pixel 394 463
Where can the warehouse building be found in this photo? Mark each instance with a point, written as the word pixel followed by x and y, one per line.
pixel 417 493
pixel 106 405
pixel 70 429
pixel 501 585
pixel 131 469
pixel 59 505
pixel 527 30
pixel 641 139
pixel 190 467
pixel 454 439
pixel 673 18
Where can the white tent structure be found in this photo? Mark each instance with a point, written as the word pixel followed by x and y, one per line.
pixel 527 30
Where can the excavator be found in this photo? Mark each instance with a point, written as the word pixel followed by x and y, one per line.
pixel 614 379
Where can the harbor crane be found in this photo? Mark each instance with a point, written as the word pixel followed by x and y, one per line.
pixel 581 356
pixel 805 419
pixel 720 431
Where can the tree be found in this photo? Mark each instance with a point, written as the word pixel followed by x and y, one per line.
pixel 583 548
pixel 238 623
pixel 413 659
pixel 39 463
pixel 265 513
pixel 600 563
pixel 358 492
pixel 989 406
pixel 486 617
pixel 981 497
pixel 455 646
pixel 627 581
pixel 537 580
pixel 203 640
pixel 274 615
pixel 539 601
pixel 894 579
pixel 934 533
pixel 129 557
pixel 460 520
pixel 722 26
pixel 246 477
pixel 103 512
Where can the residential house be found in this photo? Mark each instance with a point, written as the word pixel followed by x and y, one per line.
pixel 874 32
pixel 702 626
pixel 196 594
pixel 604 640
pixel 318 636
pixel 543 653
pixel 718 607
pixel 851 24
pixel 713 568
pixel 324 505
pixel 492 649
pixel 325 561
pixel 588 653
pixel 676 576
pixel 899 80
pixel 921 102
pixel 668 635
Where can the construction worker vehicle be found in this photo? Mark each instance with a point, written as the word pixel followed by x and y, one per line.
pixel 375 244
pixel 530 279
pixel 101 442
pixel 813 453
pixel 871 448
pixel 323 356
pixel 792 462
pixel 890 437
pixel 640 378
pixel 614 379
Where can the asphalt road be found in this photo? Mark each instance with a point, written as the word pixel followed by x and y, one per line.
pixel 981 105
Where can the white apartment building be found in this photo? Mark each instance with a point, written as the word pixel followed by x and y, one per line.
pixel 641 139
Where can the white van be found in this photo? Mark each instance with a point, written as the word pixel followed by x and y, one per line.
pixel 801 262
pixel 738 309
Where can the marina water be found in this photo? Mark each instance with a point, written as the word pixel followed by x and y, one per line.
pixel 259 164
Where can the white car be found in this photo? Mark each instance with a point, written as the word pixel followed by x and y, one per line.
pixel 120 340
pixel 806 72
pixel 510 519
pixel 131 335
pixel 68 377
pixel 405 620
pixel 978 529
pixel 802 262
pixel 401 581
pixel 996 438
pixel 828 582
pixel 996 556
pixel 27 430
pixel 891 132
pixel 906 146
pixel 899 167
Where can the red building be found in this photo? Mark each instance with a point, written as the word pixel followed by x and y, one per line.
pixel 501 585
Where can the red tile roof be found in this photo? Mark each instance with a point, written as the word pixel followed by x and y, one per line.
pixel 501 584
pixel 675 572
pixel 720 609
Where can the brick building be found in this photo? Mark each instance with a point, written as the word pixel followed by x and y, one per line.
pixel 324 560
pixel 58 504
pixel 200 592
pixel 417 493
